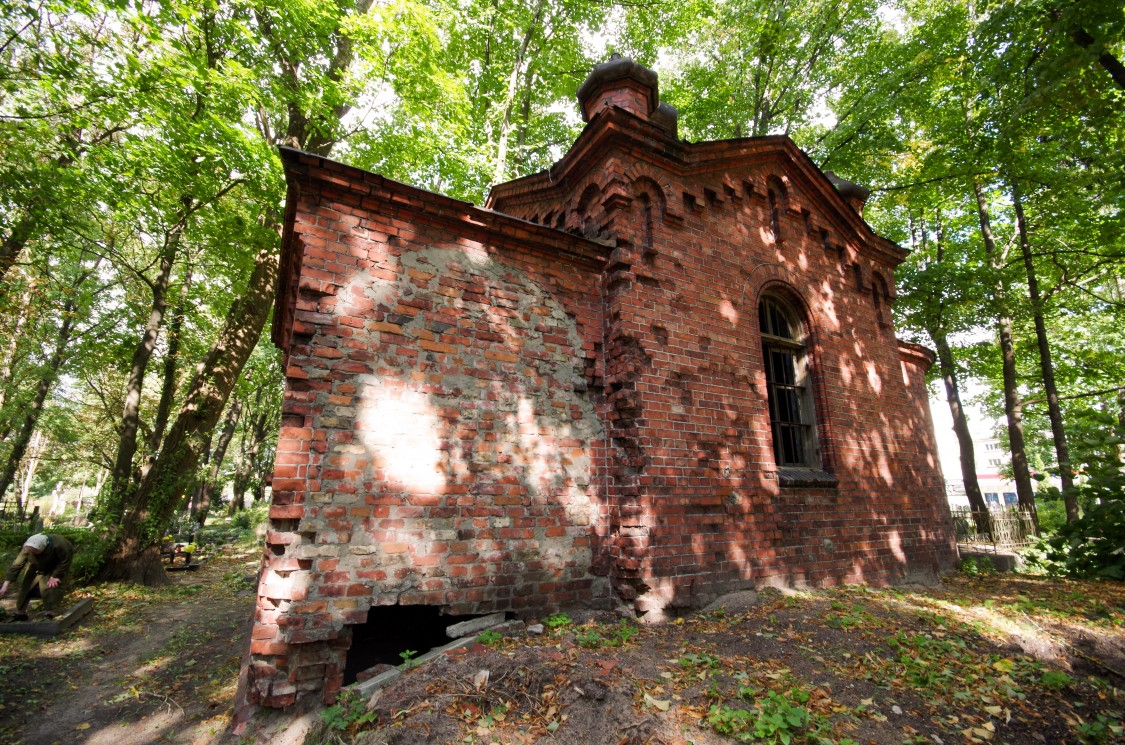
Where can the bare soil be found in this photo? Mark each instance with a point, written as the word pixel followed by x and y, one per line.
pixel 999 659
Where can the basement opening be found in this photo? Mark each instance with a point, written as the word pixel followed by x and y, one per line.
pixel 391 630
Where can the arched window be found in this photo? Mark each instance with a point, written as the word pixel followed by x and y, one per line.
pixel 788 386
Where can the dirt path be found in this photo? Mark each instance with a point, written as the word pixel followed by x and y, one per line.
pixel 147 666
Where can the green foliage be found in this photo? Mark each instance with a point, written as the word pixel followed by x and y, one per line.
pixel 977 566
pixel 1055 680
pixel 1102 728
pixel 1093 546
pixel 594 636
pixel 701 660
pixel 349 713
pixel 557 621
pixel 408 656
pixel 775 717
pixel 490 638
pixel 1052 515
pixel 251 519
pixel 847 618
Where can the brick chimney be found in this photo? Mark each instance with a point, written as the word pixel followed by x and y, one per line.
pixel 625 84
pixel 854 194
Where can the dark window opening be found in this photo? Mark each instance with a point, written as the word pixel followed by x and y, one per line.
pixel 788 388
pixel 393 629
pixel 775 217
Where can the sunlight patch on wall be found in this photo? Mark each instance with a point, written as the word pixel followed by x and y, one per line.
pixel 873 378
pixel 727 311
pixel 402 430
pixel 895 542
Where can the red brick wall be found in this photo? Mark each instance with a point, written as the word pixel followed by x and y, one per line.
pixel 441 442
pixel 482 413
pixel 697 508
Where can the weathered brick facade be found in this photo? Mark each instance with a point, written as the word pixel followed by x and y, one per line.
pixel 563 399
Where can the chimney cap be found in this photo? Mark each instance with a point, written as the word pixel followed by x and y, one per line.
pixel 618 72
pixel 848 189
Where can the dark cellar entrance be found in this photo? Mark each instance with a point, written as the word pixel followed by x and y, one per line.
pixel 391 630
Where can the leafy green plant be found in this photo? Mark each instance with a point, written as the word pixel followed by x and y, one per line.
pixel 250 519
pixel 349 713
pixel 1055 680
pixel 557 621
pixel 624 634
pixel 594 636
pixel 1093 546
pixel 703 659
pixel 775 718
pixel 1101 729
pixel 589 637
pixel 846 619
pixel 408 656
pixel 490 638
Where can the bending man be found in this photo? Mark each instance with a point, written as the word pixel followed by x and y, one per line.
pixel 43 564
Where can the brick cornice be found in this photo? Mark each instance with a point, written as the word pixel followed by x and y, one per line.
pixel 641 141
pixel 916 354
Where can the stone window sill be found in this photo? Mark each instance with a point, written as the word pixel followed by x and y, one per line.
pixel 805 478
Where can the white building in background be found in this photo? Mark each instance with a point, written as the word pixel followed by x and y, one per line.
pixel 991 455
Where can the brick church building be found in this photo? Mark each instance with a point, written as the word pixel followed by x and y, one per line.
pixel 657 372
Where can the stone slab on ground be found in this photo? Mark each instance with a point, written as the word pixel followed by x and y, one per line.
pixel 1002 561
pixel 53 627
pixel 367 687
pixel 474 625
pixel 734 602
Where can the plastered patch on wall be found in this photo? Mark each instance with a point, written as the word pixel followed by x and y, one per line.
pixel 473 437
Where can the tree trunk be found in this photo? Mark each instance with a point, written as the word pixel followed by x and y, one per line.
pixel 1046 364
pixel 961 429
pixel 1013 407
pixel 12 346
pixel 47 378
pixel 34 452
pixel 197 489
pixel 1109 63
pixel 122 476
pixel 13 244
pixel 948 369
pixel 162 489
pixel 500 168
pixel 208 486
pixel 171 364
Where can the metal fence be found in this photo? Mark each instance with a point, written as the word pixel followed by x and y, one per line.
pixel 1001 529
